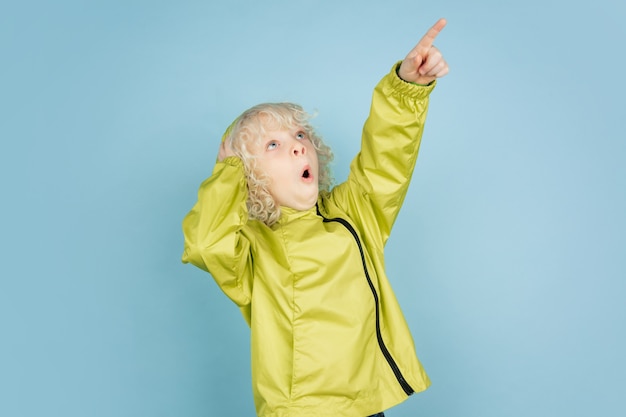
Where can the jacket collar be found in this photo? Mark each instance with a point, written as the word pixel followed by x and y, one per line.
pixel 288 214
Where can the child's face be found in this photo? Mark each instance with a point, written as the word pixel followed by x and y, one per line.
pixel 290 160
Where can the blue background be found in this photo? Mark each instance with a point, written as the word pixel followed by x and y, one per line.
pixel 508 257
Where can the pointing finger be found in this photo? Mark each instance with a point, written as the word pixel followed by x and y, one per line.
pixel 427 41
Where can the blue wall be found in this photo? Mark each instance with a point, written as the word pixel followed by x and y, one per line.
pixel 508 257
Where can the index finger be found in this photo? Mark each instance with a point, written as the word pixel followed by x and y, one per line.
pixel 427 41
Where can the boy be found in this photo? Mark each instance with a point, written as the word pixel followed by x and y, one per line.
pixel 305 263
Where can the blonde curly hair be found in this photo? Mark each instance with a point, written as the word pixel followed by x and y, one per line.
pixel 248 129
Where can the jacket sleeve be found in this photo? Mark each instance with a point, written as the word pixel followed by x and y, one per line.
pixel 213 231
pixel 380 174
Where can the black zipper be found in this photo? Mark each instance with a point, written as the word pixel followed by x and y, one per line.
pixel 381 343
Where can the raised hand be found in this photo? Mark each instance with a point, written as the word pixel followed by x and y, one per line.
pixel 425 63
pixel 225 150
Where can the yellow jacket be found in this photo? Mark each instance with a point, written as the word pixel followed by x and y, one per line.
pixel 328 337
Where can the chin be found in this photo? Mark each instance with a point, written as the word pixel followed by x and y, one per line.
pixel 305 205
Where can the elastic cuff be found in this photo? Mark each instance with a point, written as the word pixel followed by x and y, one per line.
pixel 406 87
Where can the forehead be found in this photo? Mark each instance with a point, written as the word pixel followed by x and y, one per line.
pixel 273 132
pixel 268 127
pixel 273 122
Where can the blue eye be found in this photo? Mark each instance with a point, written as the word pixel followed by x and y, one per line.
pixel 272 145
pixel 300 135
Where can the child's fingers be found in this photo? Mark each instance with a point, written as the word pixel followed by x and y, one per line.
pixel 224 152
pixel 433 59
pixel 422 47
pixel 412 61
pixel 435 69
pixel 424 61
pixel 429 38
pixel 443 72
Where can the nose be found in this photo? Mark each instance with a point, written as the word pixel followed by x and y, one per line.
pixel 298 149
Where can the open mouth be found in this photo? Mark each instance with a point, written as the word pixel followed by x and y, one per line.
pixel 307 174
